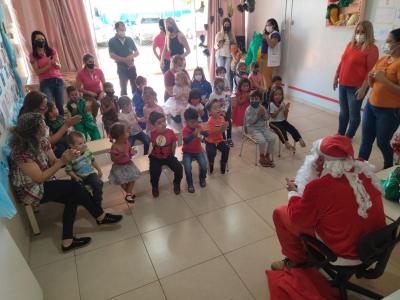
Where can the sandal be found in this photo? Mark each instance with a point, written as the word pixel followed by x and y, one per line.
pixel 130 198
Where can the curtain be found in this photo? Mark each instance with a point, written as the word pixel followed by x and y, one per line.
pixel 65 24
pixel 238 26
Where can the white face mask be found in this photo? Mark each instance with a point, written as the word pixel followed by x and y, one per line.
pixel 386 48
pixel 269 29
pixel 179 69
pixel 198 77
pixel 360 38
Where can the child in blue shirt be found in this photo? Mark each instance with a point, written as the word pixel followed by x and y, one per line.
pixel 200 82
pixel 138 102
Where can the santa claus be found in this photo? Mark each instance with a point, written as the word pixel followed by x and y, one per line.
pixel 335 198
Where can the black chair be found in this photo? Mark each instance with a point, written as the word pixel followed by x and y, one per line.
pixel 373 250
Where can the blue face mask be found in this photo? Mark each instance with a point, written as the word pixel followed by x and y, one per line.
pixel 255 104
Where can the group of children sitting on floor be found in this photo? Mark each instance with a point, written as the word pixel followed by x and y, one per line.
pixel 206 115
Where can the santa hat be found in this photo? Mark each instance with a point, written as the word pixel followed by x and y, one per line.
pixel 339 160
pixel 335 147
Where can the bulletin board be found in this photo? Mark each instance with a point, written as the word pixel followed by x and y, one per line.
pixel 11 99
pixel 385 17
pixel 345 13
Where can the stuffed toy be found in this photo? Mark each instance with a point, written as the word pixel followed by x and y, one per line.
pixel 253 48
pixel 391 186
pixel 332 14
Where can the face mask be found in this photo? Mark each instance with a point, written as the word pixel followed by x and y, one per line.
pixel 254 104
pixel 360 38
pixel 198 77
pixel 227 28
pixel 220 87
pixel 110 93
pixel 243 74
pixel 179 69
pixel 269 29
pixel 39 44
pixel 170 29
pixel 90 66
pixel 386 48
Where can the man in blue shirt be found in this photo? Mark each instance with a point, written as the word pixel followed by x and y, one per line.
pixel 123 51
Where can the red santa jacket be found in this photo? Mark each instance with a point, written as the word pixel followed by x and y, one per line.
pixel 329 206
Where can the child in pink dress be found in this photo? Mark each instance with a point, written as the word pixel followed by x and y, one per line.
pixel 123 171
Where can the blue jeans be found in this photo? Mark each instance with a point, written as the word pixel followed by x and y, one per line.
pixel 54 89
pixel 350 116
pixel 187 164
pixel 144 138
pixel 379 123
pixel 224 61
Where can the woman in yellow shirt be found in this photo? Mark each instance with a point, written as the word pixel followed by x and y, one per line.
pixel 381 114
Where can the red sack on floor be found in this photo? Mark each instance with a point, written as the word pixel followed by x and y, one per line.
pixel 299 284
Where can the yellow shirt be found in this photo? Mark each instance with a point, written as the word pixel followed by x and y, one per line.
pixel 381 96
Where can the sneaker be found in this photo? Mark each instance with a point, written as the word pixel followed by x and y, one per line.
pixel 230 143
pixel 109 219
pixel 77 243
pixel 130 198
pixel 280 265
pixel 191 189
pixel 155 192
pixel 177 188
pixel 203 182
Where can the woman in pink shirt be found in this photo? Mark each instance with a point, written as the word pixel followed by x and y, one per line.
pixel 159 43
pixel 46 65
pixel 89 81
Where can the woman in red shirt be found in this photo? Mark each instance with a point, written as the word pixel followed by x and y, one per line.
pixel 90 81
pixel 360 56
pixel 47 67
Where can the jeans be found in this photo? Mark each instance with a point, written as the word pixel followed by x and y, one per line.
pixel 156 168
pixel 126 75
pixel 54 89
pixel 211 150
pixel 224 61
pixel 379 123
pixel 94 181
pixel 71 194
pixel 187 164
pixel 350 116
pixel 144 138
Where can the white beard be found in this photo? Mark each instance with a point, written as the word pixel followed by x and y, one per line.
pixel 308 171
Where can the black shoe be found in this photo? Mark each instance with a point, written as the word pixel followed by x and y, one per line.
pixel 223 168
pixel 202 182
pixel 77 243
pixel 191 189
pixel 211 168
pixel 177 188
pixel 109 219
pixel 230 143
pixel 155 192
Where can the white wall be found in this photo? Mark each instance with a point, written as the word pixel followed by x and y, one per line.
pixel 311 51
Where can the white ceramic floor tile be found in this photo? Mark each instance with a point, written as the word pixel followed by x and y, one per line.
pixel 252 183
pixel 178 246
pixel 152 213
pixel 214 279
pixel 151 291
pixel 46 247
pixel 59 280
pixel 112 196
pixel 215 195
pixel 113 270
pixel 235 226
pixel 251 261
pixel 265 204
pixel 105 234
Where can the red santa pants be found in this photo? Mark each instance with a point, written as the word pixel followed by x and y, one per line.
pixel 288 235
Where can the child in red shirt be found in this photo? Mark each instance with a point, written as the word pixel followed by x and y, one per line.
pixel 192 149
pixel 163 153
pixel 216 126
